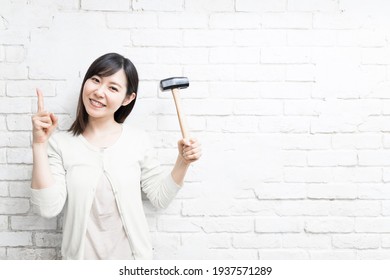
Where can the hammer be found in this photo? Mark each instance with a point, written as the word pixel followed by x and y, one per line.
pixel 174 84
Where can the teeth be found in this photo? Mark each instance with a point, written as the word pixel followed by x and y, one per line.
pixel 96 103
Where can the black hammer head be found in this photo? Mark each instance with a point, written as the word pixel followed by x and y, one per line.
pixel 174 82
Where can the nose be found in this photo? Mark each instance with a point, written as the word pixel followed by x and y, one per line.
pixel 100 91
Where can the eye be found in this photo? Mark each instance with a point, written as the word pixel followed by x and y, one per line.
pixel 95 79
pixel 114 89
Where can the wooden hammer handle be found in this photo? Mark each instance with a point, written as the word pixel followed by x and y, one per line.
pixel 180 114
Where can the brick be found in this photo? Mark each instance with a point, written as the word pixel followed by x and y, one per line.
pixel 251 38
pixel 277 225
pixel 20 189
pixel 15 105
pixel 101 5
pixel 240 124
pixel 28 88
pixel 296 208
pixel 333 254
pixel 306 142
pixel 280 191
pixel 209 6
pixel 355 208
pixel 209 241
pixel 313 5
pixel 208 207
pixel 229 254
pixel 147 38
pixel 303 107
pixel 306 241
pixel 177 225
pixel 14 205
pixel 2 254
pixel 285 55
pixel 309 38
pixel 33 223
pixel 375 124
pixel 373 158
pixel 15 172
pixel 260 6
pixel 2 88
pixel 15 139
pixel 373 254
pixel 235 21
pixel 294 158
pixel 334 124
pixel 170 123
pixel 132 20
pixel 163 243
pixel 300 73
pixel 187 20
pixel 4 189
pixel 256 73
pixel 356 241
pixel 286 90
pixel 372 225
pixel 209 38
pixel 209 73
pixel 48 239
pixel 19 155
pixel 67 5
pixel 332 191
pixel 289 20
pixel 31 254
pixel 2 53
pixel 250 241
pixel 329 158
pixel 374 191
pixel 19 122
pixel 3 156
pixel 12 71
pixel 358 174
pixel 339 20
pixel 385 241
pixel 15 36
pixel 3 223
pixel 308 175
pixel 357 141
pixel 282 254
pixel 284 124
pixel 158 5
pixel 3 123
pixel 15 238
pixel 227 55
pixel 329 225
pixel 182 56
pixel 15 53
pixel 212 107
pixel 258 107
pixel 231 225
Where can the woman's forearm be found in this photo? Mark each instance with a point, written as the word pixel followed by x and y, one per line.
pixel 179 171
pixel 41 174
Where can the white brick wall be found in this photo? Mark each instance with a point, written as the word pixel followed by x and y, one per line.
pixel 290 99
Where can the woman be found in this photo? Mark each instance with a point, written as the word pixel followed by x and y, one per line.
pixel 97 169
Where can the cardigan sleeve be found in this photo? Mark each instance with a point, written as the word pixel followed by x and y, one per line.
pixel 159 187
pixel 48 202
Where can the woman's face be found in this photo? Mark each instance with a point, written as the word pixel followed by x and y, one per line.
pixel 102 96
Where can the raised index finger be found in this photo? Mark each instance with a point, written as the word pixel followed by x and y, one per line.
pixel 40 100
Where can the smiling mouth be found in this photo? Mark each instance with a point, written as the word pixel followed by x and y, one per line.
pixel 96 103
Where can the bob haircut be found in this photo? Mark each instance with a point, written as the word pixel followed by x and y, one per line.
pixel 104 66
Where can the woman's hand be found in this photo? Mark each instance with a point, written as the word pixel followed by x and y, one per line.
pixel 189 150
pixel 43 122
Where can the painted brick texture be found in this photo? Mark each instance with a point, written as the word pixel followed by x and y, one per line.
pixel 290 99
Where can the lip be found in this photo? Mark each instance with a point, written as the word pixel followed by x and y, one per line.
pixel 96 104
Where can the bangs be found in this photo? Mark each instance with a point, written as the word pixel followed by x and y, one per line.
pixel 105 69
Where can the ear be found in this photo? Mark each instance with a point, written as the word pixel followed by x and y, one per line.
pixel 128 99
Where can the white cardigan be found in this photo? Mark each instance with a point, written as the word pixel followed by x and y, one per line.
pixel 130 166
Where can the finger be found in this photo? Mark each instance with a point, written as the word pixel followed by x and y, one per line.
pixel 40 100
pixel 39 125
pixel 54 119
pixel 45 119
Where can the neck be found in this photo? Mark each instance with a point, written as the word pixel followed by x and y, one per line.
pixel 100 126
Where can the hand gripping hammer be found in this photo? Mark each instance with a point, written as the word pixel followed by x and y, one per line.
pixel 175 84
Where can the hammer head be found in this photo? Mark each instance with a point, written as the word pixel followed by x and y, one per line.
pixel 174 82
